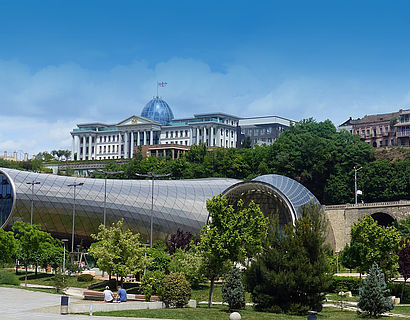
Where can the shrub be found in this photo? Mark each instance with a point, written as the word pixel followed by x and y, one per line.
pixel 160 259
pixel 10 278
pixel 177 290
pixel 152 283
pixel 347 283
pixel 396 290
pixel 232 290
pixel 374 295
pixel 59 281
pixel 85 277
pixel 188 263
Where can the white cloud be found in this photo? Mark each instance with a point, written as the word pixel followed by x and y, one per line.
pixel 39 108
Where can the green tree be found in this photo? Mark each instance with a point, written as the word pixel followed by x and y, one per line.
pixel 374 295
pixel 8 247
pixel 231 235
pixel 30 243
pixel 246 143
pixel 117 251
pixel 292 274
pixel 371 242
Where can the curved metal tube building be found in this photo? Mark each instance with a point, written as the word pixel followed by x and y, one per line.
pixel 177 203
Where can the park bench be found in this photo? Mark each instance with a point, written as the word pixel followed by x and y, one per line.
pixel 99 296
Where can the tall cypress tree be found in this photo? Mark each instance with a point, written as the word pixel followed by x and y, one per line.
pixel 374 296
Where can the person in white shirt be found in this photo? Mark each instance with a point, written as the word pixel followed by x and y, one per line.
pixel 108 295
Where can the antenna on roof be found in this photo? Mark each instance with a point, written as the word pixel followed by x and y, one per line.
pixel 160 84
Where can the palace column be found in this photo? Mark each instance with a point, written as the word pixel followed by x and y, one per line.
pixel 95 148
pixel 126 155
pixel 132 145
pixel 138 138
pixel 211 137
pixel 78 147
pixel 119 146
pixel 204 135
pixel 197 135
pixel 190 136
pixel 145 138
pixel 72 148
pixel 90 142
pixel 84 147
pixel 151 138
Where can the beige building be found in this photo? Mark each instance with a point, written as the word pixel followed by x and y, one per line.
pixel 13 157
pixel 381 130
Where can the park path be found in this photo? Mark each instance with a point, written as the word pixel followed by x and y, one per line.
pixel 21 304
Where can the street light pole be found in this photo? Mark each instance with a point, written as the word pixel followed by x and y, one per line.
pixel 356 169
pixel 106 173
pixel 64 241
pixel 152 176
pixel 32 199
pixel 74 185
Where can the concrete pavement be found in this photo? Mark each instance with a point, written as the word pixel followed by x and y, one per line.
pixel 21 304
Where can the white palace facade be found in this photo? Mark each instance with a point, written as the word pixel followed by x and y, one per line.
pixel 157 126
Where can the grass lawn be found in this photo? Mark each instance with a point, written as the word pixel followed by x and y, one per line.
pixel 221 313
pixel 202 293
pixel 336 298
pixel 46 279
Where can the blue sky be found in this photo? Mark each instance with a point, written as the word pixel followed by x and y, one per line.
pixel 64 62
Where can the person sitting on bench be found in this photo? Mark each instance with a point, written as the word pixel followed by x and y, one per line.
pixel 121 295
pixel 108 295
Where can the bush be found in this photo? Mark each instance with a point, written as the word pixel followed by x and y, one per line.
pixel 152 283
pixel 85 277
pixel 59 281
pixel 396 288
pixel 232 290
pixel 348 283
pixel 177 290
pixel 160 259
pixel 188 263
pixel 9 278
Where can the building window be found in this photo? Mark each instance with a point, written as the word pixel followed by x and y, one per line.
pixel 368 132
pixel 232 133
pixel 176 134
pixel 172 134
pixel 186 133
pixel 105 150
pixel 374 132
pixel 100 149
pixel 381 130
pixel 166 134
pixel 222 133
pixel 186 143
pixel 386 129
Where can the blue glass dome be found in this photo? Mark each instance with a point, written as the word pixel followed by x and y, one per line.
pixel 158 110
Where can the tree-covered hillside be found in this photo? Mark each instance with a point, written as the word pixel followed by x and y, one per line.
pixel 311 152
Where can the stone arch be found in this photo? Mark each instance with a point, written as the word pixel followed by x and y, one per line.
pixel 383 219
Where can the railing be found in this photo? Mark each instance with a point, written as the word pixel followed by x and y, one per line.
pixel 369 205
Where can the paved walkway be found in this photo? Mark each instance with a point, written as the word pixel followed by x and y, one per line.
pixel 20 304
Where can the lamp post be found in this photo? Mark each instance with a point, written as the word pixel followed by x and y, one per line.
pixel 64 241
pixel 74 185
pixel 356 169
pixel 32 199
pixel 152 176
pixel 106 173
